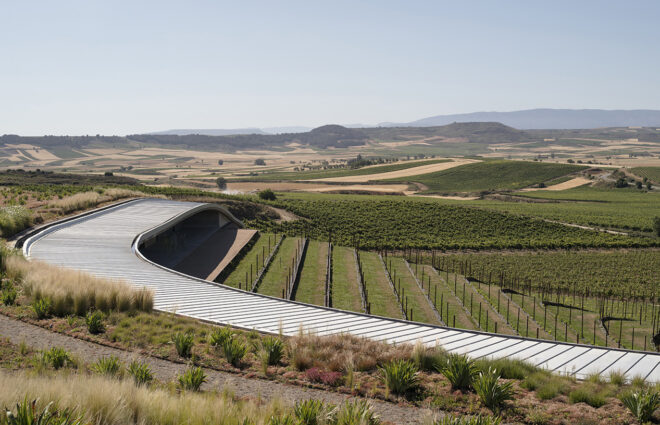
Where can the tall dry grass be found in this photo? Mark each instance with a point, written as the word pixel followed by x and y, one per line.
pixel 108 401
pixel 85 200
pixel 343 352
pixel 75 292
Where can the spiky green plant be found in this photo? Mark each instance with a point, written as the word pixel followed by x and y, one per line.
pixel 108 366
pixel 192 379
pixel 27 414
pixel 57 357
pixel 94 321
pixel 400 376
pixel 220 335
pixel 468 420
pixel 271 348
pixel 642 404
pixel 183 342
pixel 492 393
pixel 41 307
pixel 310 412
pixel 140 372
pixel 356 412
pixel 459 370
pixel 8 296
pixel 234 349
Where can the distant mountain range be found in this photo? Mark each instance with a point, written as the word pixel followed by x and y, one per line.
pixel 529 119
pixel 547 119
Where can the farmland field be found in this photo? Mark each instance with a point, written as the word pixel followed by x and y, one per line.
pixel 491 175
pixel 651 173
pixel 345 291
pixel 311 287
pixel 275 279
pixel 395 223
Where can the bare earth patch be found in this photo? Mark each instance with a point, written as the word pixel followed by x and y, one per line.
pixel 415 171
pixel 569 184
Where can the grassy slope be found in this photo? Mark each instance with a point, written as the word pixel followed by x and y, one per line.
pixel 491 175
pixel 311 287
pixel 249 263
pixel 341 172
pixel 345 291
pixel 421 310
pixel 379 293
pixel 275 278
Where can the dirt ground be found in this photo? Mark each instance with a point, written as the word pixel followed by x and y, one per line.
pixel 569 184
pixel 39 338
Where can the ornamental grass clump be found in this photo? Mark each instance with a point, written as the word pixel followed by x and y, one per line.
pixel 400 376
pixel 192 379
pixel 468 420
pixel 311 412
pixel 73 292
pixel 183 343
pixel 219 335
pixel 234 349
pixel 356 412
pixel 108 366
pixel 140 372
pixel 94 321
pixel 459 370
pixel 57 358
pixel 492 393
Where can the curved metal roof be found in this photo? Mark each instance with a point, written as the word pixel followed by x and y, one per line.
pixel 103 243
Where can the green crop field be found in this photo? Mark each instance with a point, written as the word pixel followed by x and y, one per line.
pixel 337 172
pixel 379 293
pixel 651 173
pixel 275 279
pixel 416 303
pixel 397 222
pixel 491 175
pixel 610 208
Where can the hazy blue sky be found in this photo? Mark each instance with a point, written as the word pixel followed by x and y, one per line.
pixel 118 67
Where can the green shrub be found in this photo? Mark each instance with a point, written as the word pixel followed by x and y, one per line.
pixel 41 307
pixel 234 350
pixel 642 404
pixel 468 420
pixel 219 335
pixel 8 296
pixel 492 393
pixel 183 342
pixel 57 357
pixel 281 420
pixel 267 195
pixel 94 321
pixel 272 349
pixel 140 372
pixel 551 388
pixel 588 394
pixel 108 366
pixel 459 370
pixel 310 412
pixel 27 414
pixel 192 379
pixel 357 412
pixel 400 376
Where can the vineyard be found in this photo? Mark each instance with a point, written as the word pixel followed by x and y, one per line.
pixel 651 173
pixel 606 298
pixel 391 223
pixel 492 175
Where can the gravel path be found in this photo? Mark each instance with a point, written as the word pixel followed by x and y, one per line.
pixel 39 338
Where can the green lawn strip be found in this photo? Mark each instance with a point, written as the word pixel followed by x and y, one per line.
pixel 311 286
pixel 445 301
pixel 276 278
pixel 345 291
pixel 419 309
pixel 249 263
pixel 379 293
